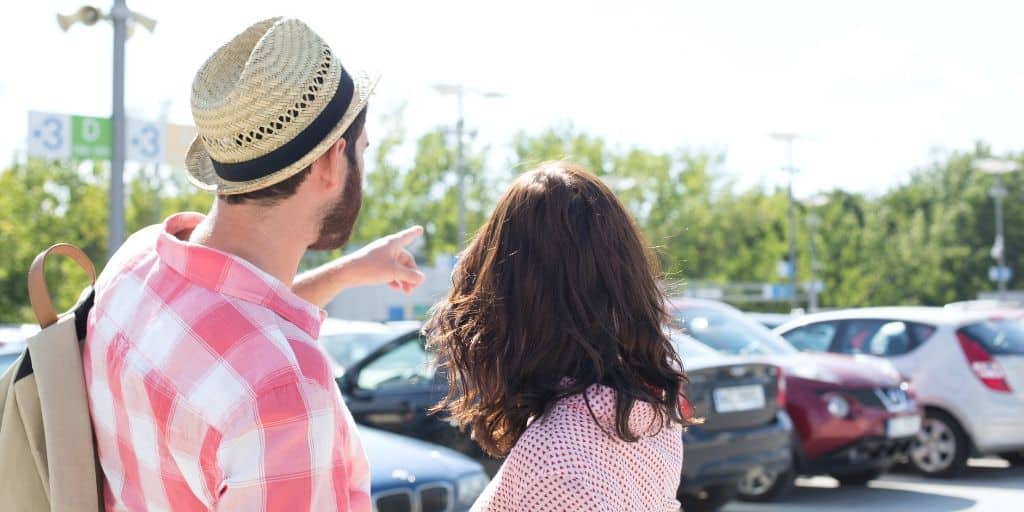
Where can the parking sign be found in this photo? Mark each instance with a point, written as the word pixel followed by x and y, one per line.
pixel 49 135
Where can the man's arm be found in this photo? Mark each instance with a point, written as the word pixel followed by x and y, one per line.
pixel 386 260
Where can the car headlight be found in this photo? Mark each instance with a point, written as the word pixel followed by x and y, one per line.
pixel 470 487
pixel 838 406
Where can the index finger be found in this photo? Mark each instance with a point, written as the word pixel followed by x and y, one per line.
pixel 409 235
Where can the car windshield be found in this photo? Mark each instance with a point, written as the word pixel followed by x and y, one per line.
pixel 349 347
pixel 1000 337
pixel 689 348
pixel 730 331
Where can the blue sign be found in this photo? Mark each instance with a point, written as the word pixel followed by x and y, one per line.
pixel 396 313
pixel 781 291
pixel 1000 274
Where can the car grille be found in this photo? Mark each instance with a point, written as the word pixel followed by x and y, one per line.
pixel 433 498
pixel 891 398
pixel 398 502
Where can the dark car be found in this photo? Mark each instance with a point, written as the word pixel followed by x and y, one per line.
pixel 745 427
pixel 411 475
pixel 853 416
pixel 393 387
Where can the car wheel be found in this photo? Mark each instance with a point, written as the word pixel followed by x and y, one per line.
pixel 1014 458
pixel 709 499
pixel 858 479
pixel 762 485
pixel 941 448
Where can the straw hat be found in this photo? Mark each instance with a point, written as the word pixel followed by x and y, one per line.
pixel 266 105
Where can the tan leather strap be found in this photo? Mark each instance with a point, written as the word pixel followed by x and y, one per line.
pixel 39 293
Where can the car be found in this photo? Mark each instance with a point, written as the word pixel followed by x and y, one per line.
pixel 347 341
pixel 744 426
pixel 853 417
pixel 394 388
pixel 770 320
pixel 409 475
pixel 9 353
pixel 966 365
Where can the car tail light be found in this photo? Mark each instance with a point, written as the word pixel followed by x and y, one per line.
pixel 989 371
pixel 686 408
pixel 780 393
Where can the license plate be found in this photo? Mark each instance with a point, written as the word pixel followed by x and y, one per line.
pixel 904 426
pixel 739 398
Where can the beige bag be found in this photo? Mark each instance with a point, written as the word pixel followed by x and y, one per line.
pixel 47 452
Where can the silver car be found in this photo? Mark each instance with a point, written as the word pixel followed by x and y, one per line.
pixel 966 367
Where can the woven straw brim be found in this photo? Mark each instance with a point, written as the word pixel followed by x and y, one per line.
pixel 202 174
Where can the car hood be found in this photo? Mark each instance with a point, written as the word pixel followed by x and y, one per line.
pixel 842 370
pixel 398 461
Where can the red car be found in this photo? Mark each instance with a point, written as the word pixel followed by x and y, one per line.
pixel 853 415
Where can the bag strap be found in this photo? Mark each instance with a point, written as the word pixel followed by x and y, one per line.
pixel 39 293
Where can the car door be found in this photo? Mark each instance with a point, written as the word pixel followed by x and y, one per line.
pixel 892 339
pixel 393 388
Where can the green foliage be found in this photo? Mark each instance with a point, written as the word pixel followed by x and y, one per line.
pixel 924 242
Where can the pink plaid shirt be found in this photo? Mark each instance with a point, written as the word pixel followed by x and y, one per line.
pixel 207 389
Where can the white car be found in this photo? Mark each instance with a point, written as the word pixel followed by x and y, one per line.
pixel 348 341
pixel 966 367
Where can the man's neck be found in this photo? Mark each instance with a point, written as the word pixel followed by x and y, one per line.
pixel 270 242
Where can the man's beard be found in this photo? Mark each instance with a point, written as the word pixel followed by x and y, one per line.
pixel 340 218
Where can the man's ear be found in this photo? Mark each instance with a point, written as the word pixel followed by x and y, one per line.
pixel 326 171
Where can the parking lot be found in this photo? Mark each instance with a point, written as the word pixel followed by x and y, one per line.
pixel 988 485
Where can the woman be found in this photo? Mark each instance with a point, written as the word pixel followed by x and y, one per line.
pixel 553 343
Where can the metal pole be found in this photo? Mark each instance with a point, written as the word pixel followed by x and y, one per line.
pixel 461 173
pixel 812 297
pixel 792 229
pixel 115 225
pixel 998 193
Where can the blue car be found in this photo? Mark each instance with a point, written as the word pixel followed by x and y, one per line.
pixel 410 475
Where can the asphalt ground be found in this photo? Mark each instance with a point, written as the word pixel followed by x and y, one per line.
pixel 989 485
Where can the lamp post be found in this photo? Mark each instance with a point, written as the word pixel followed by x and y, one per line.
pixel 813 222
pixel 997 168
pixel 788 139
pixel 460 91
pixel 119 15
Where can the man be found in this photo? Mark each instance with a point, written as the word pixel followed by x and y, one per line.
pixel 206 387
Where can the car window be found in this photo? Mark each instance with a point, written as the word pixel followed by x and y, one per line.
pixel 813 337
pixel 689 348
pixel 351 347
pixel 876 337
pixel 407 365
pixel 730 331
pixel 999 337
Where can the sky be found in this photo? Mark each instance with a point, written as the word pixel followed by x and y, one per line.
pixel 875 89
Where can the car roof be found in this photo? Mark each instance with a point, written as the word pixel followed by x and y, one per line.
pixel 684 302
pixel 339 326
pixel 920 314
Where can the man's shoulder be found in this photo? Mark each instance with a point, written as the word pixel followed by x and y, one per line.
pixel 234 354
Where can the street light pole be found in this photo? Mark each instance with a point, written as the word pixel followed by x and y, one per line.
pixel 788 139
pixel 460 171
pixel 115 231
pixel 119 15
pixel 813 222
pixel 998 192
pixel 459 91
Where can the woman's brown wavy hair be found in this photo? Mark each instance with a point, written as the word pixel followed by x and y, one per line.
pixel 558 283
